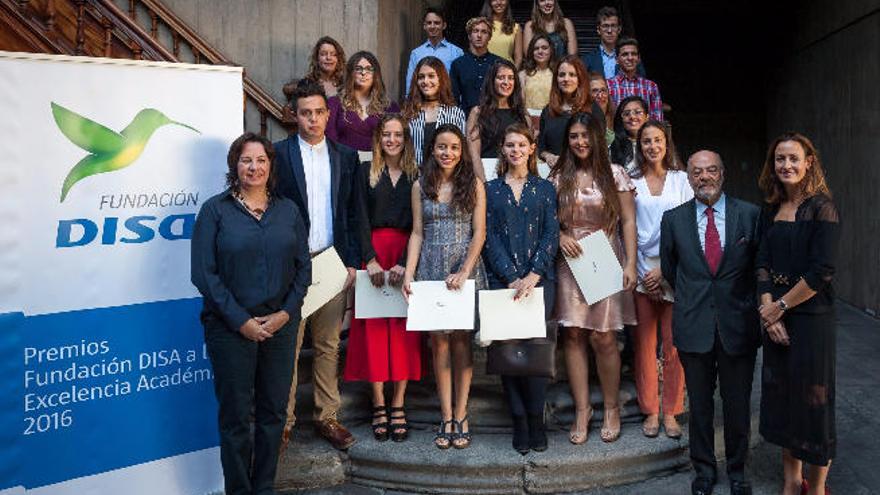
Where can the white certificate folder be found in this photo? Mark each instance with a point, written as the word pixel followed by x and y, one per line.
pixel 434 307
pixel 502 318
pixel 597 270
pixel 377 302
pixel 328 279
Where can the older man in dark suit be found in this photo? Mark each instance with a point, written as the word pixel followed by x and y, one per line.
pixel 317 174
pixel 707 250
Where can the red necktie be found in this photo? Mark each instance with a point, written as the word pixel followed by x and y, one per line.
pixel 713 242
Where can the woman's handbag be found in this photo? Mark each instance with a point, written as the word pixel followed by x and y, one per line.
pixel 524 357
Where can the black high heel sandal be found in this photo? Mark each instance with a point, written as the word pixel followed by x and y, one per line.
pixel 380 430
pixel 399 431
pixel 445 436
pixel 461 435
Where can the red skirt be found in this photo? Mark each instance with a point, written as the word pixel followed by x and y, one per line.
pixel 380 349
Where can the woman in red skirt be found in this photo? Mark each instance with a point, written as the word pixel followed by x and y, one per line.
pixel 380 349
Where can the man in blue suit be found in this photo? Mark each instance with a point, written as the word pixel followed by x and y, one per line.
pixel 707 255
pixel 604 58
pixel 317 174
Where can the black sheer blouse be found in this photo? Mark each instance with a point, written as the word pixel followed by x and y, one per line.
pixel 386 205
pixel 803 249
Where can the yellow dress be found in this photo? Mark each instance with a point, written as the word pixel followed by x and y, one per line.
pixel 537 89
pixel 502 44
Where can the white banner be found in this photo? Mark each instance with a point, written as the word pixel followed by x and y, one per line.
pixel 105 165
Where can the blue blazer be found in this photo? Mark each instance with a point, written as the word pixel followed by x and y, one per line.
pixel 593 60
pixel 727 299
pixel 291 183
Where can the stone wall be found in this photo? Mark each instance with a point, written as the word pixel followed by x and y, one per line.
pixel 273 39
pixel 826 86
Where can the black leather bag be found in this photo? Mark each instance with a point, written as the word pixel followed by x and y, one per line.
pixel 524 357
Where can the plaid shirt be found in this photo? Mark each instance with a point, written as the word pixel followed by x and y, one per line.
pixel 620 86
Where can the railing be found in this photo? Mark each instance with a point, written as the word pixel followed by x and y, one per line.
pixel 101 28
pixel 202 52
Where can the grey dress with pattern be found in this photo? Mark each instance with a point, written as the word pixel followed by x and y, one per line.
pixel 447 233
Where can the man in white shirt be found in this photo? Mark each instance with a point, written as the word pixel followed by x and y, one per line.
pixel 436 45
pixel 317 174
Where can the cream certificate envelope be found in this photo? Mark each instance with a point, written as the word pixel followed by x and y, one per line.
pixel 502 318
pixel 328 279
pixel 365 156
pixel 489 165
pixel 377 302
pixel 596 271
pixel 434 307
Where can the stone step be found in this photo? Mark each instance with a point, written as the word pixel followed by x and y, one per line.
pixel 489 466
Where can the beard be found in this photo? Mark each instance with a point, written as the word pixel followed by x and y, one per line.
pixel 708 194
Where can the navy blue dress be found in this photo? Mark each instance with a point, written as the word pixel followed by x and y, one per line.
pixel 521 237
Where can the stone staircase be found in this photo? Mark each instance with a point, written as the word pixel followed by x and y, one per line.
pixel 582 14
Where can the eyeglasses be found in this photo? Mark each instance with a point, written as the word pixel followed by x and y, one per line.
pixel 609 27
pixel 633 113
pixel 364 69
pixel 598 91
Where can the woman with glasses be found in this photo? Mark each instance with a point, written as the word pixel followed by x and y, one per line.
pixel 599 93
pixel 356 111
pixel 630 116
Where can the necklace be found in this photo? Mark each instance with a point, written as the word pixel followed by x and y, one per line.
pixel 255 212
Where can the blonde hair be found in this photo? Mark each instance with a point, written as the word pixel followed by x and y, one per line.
pixel 407 156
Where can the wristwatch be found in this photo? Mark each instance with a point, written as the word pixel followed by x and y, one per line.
pixel 782 304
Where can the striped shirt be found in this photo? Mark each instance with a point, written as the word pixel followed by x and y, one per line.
pixel 445 115
pixel 620 86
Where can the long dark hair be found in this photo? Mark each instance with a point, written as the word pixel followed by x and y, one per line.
pixel 529 65
pixel 489 98
pixel 621 148
pixel 413 104
pixel 556 17
pixel 507 23
pixel 566 169
pixel 464 182
pixel 670 160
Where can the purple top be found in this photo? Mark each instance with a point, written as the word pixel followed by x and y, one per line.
pixel 346 127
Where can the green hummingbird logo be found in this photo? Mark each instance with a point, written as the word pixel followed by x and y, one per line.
pixel 108 150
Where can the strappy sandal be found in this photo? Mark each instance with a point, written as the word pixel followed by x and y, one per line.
pixel 380 429
pixel 577 436
pixel 443 439
pixel 399 431
pixel 465 436
pixel 607 434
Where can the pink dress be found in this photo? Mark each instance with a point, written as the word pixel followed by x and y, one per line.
pixel 571 310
